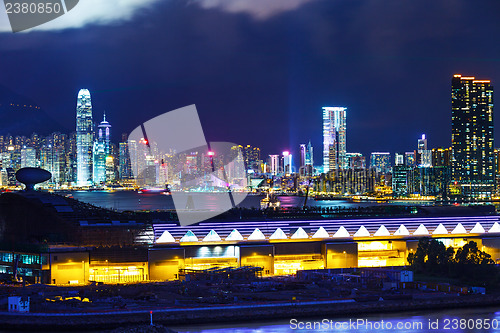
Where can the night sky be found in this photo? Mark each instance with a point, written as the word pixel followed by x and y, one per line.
pixel 259 71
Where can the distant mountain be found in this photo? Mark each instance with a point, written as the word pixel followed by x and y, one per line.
pixel 20 115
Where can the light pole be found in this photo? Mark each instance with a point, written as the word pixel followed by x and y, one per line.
pixel 345 259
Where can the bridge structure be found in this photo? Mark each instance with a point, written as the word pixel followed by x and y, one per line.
pixel 284 246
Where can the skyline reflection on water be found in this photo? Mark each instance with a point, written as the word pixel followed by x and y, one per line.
pixel 130 200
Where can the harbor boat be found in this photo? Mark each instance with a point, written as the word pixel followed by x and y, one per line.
pixel 154 190
pixel 270 201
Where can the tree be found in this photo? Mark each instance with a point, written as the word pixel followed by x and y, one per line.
pixel 469 264
pixel 431 256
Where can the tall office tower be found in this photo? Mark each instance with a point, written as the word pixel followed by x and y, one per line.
pixel 302 155
pixel 381 162
pixel 125 168
pixel 287 163
pixel 306 154
pixel 306 159
pixel 400 179
pixel 274 163
pixel 104 133
pixel 133 154
pixel 422 143
pixel 110 168
pixel 472 135
pixel 334 138
pixel 71 159
pixel 51 159
pixel 99 163
pixel 101 152
pixel 251 157
pixel 84 138
pixel 424 155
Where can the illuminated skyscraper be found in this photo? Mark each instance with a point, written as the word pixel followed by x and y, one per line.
pixel 125 167
pixel 84 138
pixel 306 154
pixel 287 163
pixel 424 155
pixel 274 164
pixel 334 138
pixel 472 135
pixel 306 159
pixel 251 155
pixel 104 133
pixel 101 152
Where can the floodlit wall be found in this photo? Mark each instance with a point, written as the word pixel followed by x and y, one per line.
pixel 258 256
pixel 128 272
pixel 341 255
pixel 290 257
pixel 381 253
pixel 213 256
pixel 164 264
pixel 69 267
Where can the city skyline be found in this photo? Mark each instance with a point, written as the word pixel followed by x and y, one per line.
pixel 268 74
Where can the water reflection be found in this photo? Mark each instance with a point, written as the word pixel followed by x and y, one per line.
pixel 452 320
pixel 129 200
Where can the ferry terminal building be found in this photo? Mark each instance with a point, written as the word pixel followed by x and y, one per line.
pixel 126 251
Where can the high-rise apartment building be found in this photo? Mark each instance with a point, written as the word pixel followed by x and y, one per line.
pixel 28 157
pixel 251 156
pixel 84 138
pixel 334 138
pixel 473 166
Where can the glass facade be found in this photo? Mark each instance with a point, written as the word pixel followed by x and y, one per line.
pixel 334 138
pixel 84 138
